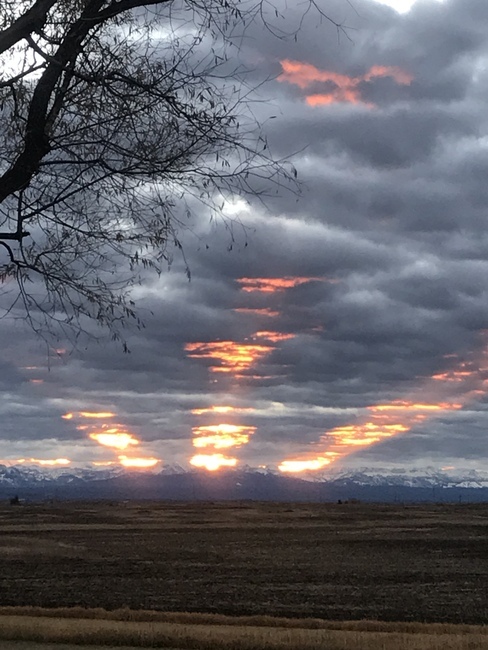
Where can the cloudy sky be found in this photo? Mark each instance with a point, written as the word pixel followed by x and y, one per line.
pixel 344 327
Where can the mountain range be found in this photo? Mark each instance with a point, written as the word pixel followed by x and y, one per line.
pixel 176 483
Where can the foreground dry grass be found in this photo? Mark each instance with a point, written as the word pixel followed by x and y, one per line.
pixel 423 563
pixel 203 632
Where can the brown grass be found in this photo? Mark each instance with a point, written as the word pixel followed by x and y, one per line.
pixel 194 619
pixel 206 632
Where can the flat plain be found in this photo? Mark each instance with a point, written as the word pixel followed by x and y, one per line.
pixel 343 562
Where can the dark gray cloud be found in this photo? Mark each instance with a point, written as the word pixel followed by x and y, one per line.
pixel 390 230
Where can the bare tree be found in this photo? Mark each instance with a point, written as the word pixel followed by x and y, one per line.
pixel 118 116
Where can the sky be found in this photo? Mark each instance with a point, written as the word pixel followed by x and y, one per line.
pixel 344 327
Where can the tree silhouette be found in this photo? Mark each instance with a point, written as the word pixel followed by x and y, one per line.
pixel 119 119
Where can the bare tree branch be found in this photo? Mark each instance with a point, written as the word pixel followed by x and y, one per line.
pixel 110 135
pixel 32 20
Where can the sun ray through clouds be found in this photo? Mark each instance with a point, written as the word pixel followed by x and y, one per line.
pixel 54 462
pixel 221 436
pixel 111 436
pixel 212 462
pixel 238 361
pixel 138 463
pixel 114 438
pixel 221 410
pixel 231 357
pixel 381 421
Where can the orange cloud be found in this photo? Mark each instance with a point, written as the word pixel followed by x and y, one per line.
pixel 212 462
pixel 221 410
pixel 43 463
pixel 232 357
pixel 401 77
pixel 365 434
pixel 387 420
pixel 274 337
pixel 344 89
pixel 221 436
pixel 114 438
pixel 305 74
pixel 272 285
pixel 431 399
pixel 296 466
pixel 384 421
pixel 341 95
pixel 138 463
pixel 237 360
pixel 414 406
pixel 453 375
pixel 91 414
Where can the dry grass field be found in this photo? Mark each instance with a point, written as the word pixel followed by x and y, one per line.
pixel 349 562
pixel 99 629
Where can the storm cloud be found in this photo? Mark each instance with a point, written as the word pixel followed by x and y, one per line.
pixel 346 323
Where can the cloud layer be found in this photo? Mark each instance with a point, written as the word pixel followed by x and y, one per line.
pixel 345 325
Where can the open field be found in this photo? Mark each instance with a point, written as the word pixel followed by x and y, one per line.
pixel 215 634
pixel 419 563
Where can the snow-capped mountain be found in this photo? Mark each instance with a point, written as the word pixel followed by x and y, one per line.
pixel 426 477
pixel 175 482
pixel 25 475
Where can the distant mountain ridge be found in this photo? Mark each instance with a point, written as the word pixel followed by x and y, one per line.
pixel 175 482
pixel 426 477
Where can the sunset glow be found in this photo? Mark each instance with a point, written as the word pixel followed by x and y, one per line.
pixel 413 406
pixel 453 375
pixel 221 436
pixel 89 414
pixel 365 434
pixel 102 415
pixel 43 463
pixel 138 463
pixel 270 313
pixel 387 420
pixel 237 360
pixel 221 410
pixel 271 285
pixel 212 462
pixel 296 466
pixel 274 337
pixel 345 89
pixel 111 435
pixel 115 439
pixel 273 273
pixel 232 357
pixel 384 421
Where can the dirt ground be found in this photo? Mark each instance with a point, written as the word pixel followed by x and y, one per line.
pixel 29 645
pixel 422 563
